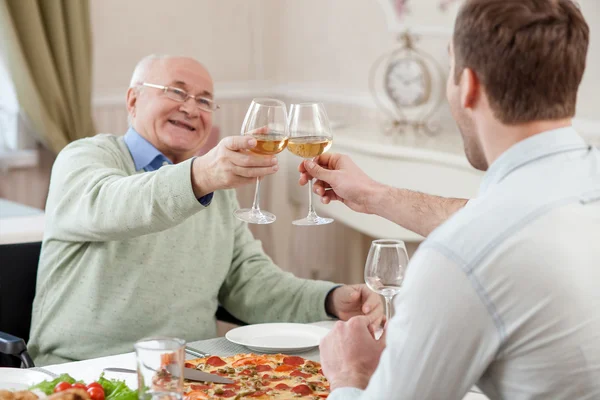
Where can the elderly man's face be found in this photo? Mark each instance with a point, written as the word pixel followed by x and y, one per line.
pixel 177 129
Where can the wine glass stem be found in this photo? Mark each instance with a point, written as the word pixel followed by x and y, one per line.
pixel 311 209
pixel 255 206
pixel 388 308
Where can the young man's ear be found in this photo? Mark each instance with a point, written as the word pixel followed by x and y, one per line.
pixel 469 88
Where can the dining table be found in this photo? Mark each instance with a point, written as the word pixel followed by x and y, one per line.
pixel 90 370
pixel 20 223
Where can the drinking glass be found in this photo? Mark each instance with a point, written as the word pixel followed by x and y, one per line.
pixel 266 121
pixel 385 268
pixel 310 136
pixel 160 362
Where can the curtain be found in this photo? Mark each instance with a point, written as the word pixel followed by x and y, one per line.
pixel 48 54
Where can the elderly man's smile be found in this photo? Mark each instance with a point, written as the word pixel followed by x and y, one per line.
pixel 182 125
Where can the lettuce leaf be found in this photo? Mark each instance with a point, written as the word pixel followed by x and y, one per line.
pixel 116 390
pixel 48 386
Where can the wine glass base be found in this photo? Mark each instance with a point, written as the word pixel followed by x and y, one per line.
pixel 310 221
pixel 255 216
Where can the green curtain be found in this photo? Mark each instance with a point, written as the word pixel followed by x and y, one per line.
pixel 48 50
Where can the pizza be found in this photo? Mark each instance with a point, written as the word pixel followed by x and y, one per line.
pixel 268 376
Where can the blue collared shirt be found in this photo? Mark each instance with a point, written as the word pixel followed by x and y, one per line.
pixel 505 293
pixel 148 158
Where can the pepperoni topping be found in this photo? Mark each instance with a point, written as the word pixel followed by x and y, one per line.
pixel 265 383
pixel 227 393
pixel 282 386
pixel 293 360
pixel 189 365
pixel 246 372
pixel 302 374
pixel 199 387
pixel 320 371
pixel 250 361
pixel 232 386
pixel 257 394
pixel 302 389
pixel 273 377
pixel 196 395
pixel 215 361
pixel 284 368
pixel 262 368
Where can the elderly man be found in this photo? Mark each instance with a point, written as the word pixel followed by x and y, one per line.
pixel 505 293
pixel 140 237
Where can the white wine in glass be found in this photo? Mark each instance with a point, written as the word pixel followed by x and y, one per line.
pixel 269 143
pixel 309 146
pixel 266 121
pixel 310 136
pixel 385 268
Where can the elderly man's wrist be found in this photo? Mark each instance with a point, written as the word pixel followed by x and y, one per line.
pixel 200 182
pixel 330 303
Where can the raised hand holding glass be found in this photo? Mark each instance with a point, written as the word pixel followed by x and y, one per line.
pixel 266 121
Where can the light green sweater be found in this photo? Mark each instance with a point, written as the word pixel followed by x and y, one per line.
pixel 130 254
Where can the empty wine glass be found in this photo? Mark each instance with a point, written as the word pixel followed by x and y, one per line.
pixel 310 136
pixel 385 268
pixel 266 121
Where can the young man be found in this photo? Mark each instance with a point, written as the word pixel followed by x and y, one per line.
pixel 505 292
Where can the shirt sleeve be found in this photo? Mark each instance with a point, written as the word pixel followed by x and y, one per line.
pixel 256 290
pixel 440 340
pixel 206 199
pixel 93 198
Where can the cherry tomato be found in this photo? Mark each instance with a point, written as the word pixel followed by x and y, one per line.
pixel 96 393
pixel 60 386
pixel 94 384
pixel 79 386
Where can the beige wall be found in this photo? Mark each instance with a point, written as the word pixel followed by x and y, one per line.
pixel 219 33
pixel 326 44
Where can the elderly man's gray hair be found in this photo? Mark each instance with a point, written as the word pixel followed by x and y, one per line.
pixel 143 66
pixel 141 72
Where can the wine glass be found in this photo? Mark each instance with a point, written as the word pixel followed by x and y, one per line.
pixel 310 136
pixel 385 268
pixel 266 121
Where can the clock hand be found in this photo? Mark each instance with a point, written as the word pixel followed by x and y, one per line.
pixel 411 80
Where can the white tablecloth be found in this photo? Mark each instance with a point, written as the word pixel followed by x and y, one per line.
pixel 20 223
pixel 89 370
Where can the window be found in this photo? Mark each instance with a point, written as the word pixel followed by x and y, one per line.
pixel 17 147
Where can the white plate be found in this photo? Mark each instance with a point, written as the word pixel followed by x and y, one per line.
pixel 20 379
pixel 277 337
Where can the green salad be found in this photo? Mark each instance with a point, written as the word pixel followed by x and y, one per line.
pixel 102 389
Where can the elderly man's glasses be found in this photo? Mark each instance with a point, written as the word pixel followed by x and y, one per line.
pixel 181 96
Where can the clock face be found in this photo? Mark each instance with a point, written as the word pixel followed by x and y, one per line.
pixel 407 82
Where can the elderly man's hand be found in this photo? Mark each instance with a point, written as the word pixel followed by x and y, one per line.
pixel 348 301
pixel 229 165
pixel 350 353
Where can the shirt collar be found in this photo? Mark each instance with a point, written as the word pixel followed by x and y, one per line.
pixel 142 151
pixel 533 148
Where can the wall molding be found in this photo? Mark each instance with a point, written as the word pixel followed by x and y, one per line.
pixel 310 92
